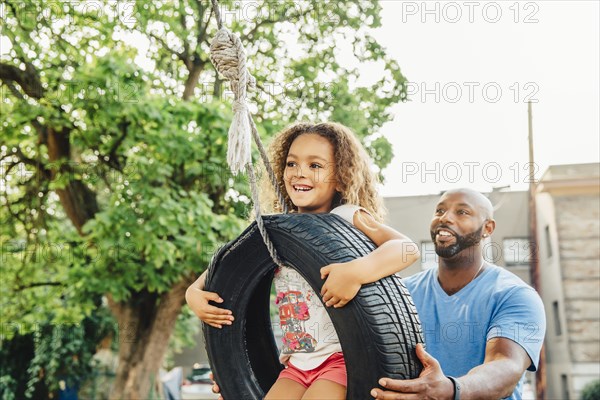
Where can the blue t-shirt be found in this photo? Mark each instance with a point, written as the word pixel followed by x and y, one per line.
pixel 495 304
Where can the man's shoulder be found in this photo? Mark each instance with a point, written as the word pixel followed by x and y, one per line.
pixel 414 280
pixel 506 279
pixel 508 287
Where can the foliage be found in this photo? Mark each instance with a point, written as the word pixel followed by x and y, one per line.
pixel 113 181
pixel 591 391
pixel 60 353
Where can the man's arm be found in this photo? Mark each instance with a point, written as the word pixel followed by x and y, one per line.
pixel 504 364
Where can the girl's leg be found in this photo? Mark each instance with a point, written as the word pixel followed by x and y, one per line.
pixel 285 389
pixel 323 389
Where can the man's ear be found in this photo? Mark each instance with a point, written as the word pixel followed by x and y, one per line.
pixel 489 227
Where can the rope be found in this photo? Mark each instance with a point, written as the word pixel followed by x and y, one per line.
pixel 217 11
pixel 228 55
pixel 229 58
pixel 259 221
pixel 265 158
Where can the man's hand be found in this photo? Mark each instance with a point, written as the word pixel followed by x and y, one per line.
pixel 342 284
pixel 431 383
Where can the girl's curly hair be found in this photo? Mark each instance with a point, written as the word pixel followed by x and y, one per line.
pixel 356 180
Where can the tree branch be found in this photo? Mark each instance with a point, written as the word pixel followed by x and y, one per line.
pixel 42 132
pixel 39 166
pixel 254 29
pixel 186 46
pixel 37 284
pixel 28 80
pixel 61 41
pixel 112 152
pixel 267 21
pixel 14 90
pixel 16 14
pixel 9 204
pixel 180 55
pixel 202 28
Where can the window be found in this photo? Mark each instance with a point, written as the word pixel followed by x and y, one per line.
pixel 556 313
pixel 517 251
pixel 565 386
pixel 548 241
pixel 428 256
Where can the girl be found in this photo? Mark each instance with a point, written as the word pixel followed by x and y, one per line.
pixel 323 168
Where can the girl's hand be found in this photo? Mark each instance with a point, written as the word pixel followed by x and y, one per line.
pixel 215 388
pixel 342 284
pixel 198 300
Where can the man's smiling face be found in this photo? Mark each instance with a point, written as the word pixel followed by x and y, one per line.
pixel 458 222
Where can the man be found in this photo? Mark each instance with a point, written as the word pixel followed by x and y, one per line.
pixel 483 326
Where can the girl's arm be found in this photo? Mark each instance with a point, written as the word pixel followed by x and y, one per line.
pixel 394 252
pixel 197 298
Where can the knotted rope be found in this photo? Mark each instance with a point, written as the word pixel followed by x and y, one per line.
pixel 229 58
pixel 228 55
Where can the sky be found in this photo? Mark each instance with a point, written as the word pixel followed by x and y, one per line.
pixel 472 67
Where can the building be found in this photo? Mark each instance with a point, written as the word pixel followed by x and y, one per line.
pixel 568 216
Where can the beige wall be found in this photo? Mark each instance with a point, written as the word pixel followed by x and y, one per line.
pixel 571 287
pixel 558 358
pixel 579 244
pixel 412 216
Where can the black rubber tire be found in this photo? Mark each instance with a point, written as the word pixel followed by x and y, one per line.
pixel 378 329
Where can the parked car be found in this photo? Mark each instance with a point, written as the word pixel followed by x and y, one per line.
pixel 198 385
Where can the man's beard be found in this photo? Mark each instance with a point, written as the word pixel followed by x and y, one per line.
pixel 462 242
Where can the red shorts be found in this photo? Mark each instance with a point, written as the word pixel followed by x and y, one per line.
pixel 332 369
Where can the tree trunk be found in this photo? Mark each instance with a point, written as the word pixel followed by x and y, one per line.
pixel 218 87
pixel 146 322
pixel 78 201
pixel 192 79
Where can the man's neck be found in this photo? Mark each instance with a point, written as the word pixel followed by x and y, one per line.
pixel 456 272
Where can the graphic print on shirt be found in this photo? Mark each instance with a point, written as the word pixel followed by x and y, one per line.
pixel 293 297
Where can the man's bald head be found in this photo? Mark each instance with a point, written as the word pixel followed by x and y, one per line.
pixel 476 199
pixel 462 218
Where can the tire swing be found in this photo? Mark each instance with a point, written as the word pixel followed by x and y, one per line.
pixel 378 330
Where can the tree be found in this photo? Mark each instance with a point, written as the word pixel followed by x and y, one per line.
pixel 114 184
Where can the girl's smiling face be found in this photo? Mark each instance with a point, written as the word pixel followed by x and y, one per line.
pixel 310 176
